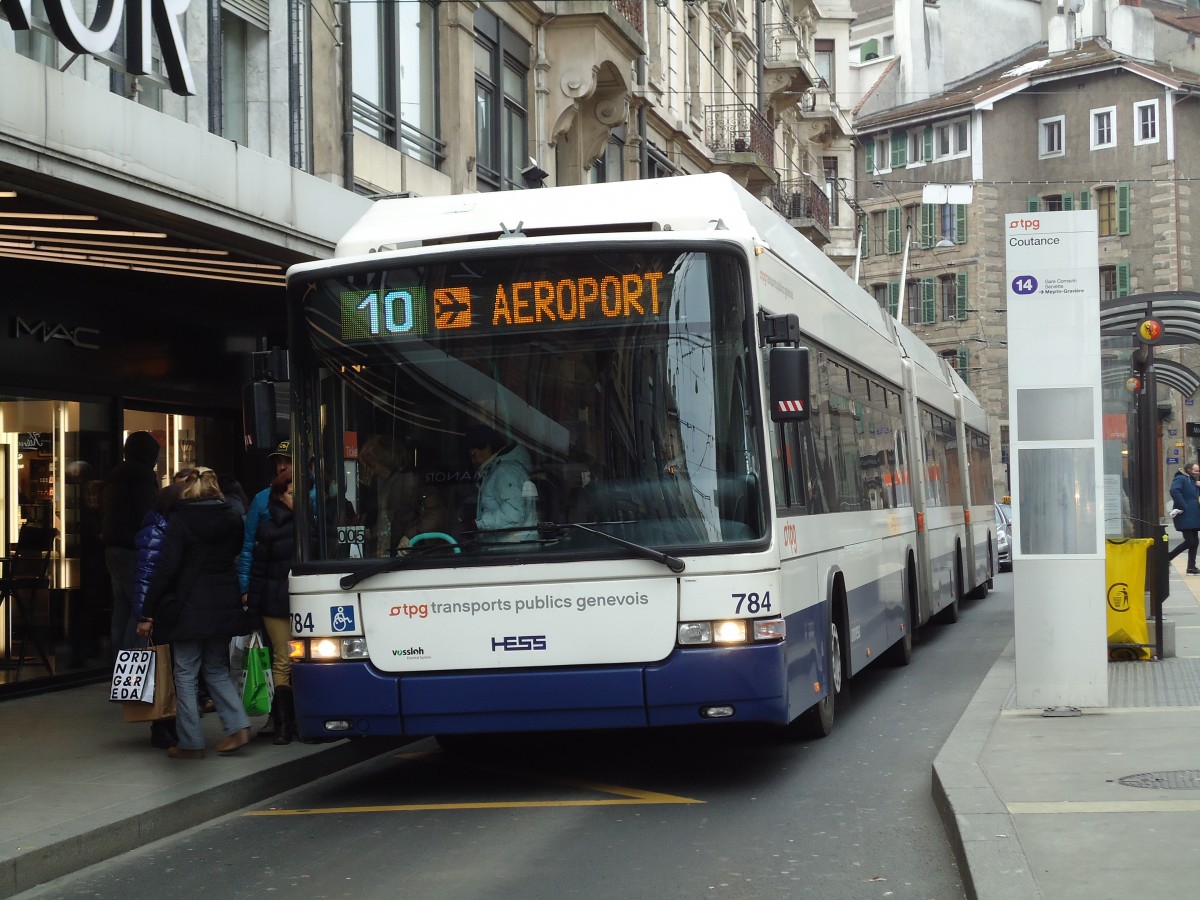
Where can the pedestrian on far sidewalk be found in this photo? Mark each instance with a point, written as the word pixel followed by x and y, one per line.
pixel 1186 513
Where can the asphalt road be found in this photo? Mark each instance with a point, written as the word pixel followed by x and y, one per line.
pixel 689 813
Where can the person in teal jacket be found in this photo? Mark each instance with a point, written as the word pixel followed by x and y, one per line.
pixel 282 455
pixel 1186 513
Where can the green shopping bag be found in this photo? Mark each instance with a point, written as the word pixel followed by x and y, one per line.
pixel 257 687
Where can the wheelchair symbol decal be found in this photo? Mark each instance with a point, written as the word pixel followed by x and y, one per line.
pixel 341 618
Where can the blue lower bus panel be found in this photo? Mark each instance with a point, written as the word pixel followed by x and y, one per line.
pixel 750 679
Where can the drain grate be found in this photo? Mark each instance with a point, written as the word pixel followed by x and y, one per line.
pixel 1182 779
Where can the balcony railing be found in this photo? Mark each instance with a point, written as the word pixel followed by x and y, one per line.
pixel 737 128
pixel 802 200
pixel 781 42
pixel 632 11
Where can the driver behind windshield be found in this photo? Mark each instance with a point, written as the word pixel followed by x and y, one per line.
pixel 507 496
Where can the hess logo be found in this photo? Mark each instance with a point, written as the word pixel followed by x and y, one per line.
pixel 519 642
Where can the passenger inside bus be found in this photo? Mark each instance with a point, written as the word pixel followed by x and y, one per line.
pixel 507 497
pixel 398 504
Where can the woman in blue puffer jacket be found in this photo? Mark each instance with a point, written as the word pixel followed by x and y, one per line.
pixel 148 544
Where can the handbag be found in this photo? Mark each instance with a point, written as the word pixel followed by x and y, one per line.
pixel 257 688
pixel 133 676
pixel 160 704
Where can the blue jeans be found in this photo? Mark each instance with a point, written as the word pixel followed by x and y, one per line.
pixel 122 569
pixel 212 656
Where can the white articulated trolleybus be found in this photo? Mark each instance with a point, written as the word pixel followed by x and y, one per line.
pixel 731 480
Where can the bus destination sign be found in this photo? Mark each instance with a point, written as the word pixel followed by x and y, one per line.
pixel 418 311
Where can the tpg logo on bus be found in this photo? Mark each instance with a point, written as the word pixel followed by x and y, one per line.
pixel 1025 224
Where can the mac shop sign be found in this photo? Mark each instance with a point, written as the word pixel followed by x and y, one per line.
pixel 161 18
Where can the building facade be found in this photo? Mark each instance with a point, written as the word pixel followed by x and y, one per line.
pixel 1079 120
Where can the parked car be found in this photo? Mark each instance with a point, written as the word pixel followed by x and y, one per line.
pixel 1004 536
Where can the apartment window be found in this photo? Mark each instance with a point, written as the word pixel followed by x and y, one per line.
pixel 951 139
pixel 1051 137
pixel 879 231
pixel 501 111
pixel 918 149
pixel 394 75
pixel 1058 202
pixel 953 291
pixel 1106 210
pixel 912 294
pixel 823 61
pixel 1145 122
pixel 829 166
pixel 878 153
pixel 1104 128
pixel 1114 281
pixel 610 165
pixel 959 360
pixel 880 293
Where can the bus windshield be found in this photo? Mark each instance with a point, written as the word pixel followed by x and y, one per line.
pixel 477 399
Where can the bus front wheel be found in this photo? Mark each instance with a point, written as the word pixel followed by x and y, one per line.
pixel 817 720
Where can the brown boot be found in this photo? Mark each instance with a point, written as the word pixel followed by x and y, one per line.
pixel 234 741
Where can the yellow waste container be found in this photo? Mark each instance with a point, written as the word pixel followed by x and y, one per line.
pixel 1125 580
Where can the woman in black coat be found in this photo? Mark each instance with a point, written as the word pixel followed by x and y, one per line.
pixel 274 548
pixel 194 601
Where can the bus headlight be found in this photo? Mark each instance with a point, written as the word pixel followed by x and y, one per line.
pixel 327 649
pixel 692 633
pixel 770 629
pixel 731 631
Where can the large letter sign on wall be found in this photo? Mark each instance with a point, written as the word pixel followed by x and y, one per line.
pixel 98 37
pixel 1057 480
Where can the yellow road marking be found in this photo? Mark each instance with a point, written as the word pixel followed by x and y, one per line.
pixel 628 797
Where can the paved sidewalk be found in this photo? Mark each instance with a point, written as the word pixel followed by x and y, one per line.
pixel 1103 805
pixel 79 785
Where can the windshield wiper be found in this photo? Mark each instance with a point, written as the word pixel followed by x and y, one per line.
pixel 391 564
pixel 550 530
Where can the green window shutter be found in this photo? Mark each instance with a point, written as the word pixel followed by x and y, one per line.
pixel 960 296
pixel 1033 204
pixel 899 149
pixel 893 299
pixel 928 225
pixel 962 361
pixel 960 224
pixel 1068 201
pixel 1085 199
pixel 1122 279
pixel 927 142
pixel 863 244
pixel 1122 209
pixel 928 301
pixel 869 50
pixel 893 230
pixel 869 154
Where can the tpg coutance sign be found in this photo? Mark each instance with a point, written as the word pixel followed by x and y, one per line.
pixel 160 17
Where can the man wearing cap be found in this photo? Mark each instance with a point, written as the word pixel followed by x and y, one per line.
pixel 282 456
pixel 507 497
